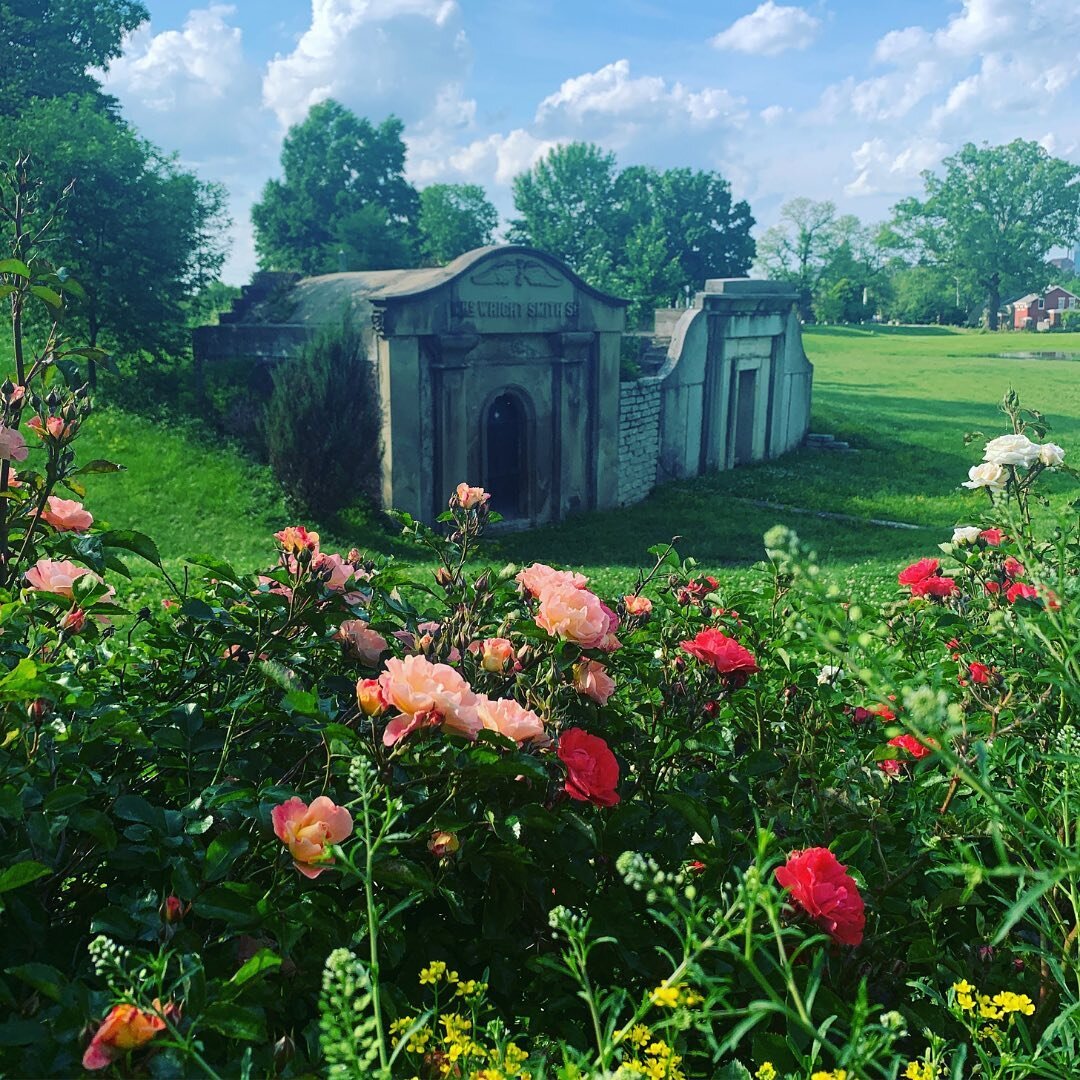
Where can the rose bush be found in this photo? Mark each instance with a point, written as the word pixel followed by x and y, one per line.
pixel 294 823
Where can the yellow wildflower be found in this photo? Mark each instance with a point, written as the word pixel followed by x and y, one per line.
pixel 470 988
pixel 667 996
pixel 835 1074
pixel 766 1071
pixel 1009 1002
pixel 430 975
pixel 919 1070
pixel 639 1035
pixel 514 1056
pixel 987 1010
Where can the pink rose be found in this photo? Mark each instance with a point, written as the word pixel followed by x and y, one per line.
pixel 509 718
pixel 495 653
pixel 296 539
pixel 469 498
pixel 307 831
pixel 333 569
pixel 58 577
pixel 361 642
pixel 592 680
pixel 12 444
pixel 275 587
pixel 416 687
pixel 536 578
pixel 577 615
pixel 67 515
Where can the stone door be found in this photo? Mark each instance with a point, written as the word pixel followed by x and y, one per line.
pixel 504 465
pixel 745 402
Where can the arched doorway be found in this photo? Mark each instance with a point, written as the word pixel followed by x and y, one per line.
pixel 504 456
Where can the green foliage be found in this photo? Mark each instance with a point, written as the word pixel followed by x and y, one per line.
pixel 1070 320
pixel 322 423
pixel 993 217
pixel 50 47
pixel 145 235
pixel 454 218
pixel 641 233
pixel 343 189
pixel 925 294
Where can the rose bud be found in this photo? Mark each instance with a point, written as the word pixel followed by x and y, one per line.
pixel 369 697
pixel 173 909
pixel 443 844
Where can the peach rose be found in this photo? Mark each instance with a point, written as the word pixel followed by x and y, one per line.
pixel 67 515
pixel 307 831
pixel 592 680
pixel 12 444
pixel 58 577
pixel 536 578
pixel 296 539
pixel 126 1028
pixel 417 688
pixel 469 498
pixel 369 697
pixel 333 569
pixel 495 653
pixel 509 718
pixel 637 605
pixel 577 615
pixel 442 843
pixel 361 642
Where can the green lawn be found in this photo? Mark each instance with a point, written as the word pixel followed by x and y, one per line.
pixel 902 396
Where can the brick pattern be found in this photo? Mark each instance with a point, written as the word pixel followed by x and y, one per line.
pixel 639 438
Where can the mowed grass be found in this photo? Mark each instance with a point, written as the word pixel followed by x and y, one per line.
pixel 903 398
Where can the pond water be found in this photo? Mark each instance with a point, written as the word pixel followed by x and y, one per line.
pixel 1037 356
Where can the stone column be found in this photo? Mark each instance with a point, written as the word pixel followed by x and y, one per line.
pixel 400 391
pixel 605 428
pixel 455 420
pixel 572 484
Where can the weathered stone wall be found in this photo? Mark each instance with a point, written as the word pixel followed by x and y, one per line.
pixel 639 438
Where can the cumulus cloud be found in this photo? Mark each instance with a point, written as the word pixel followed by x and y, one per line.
pixel 769 30
pixel 374 56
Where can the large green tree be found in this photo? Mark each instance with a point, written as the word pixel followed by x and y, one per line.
pixel 140 234
pixel 454 218
pixel 49 47
pixel 642 232
pixel 335 167
pixel 992 217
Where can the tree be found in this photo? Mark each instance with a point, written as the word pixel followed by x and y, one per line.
pixel 568 204
pixel 454 218
pixel 141 233
pixel 335 165
pixel 993 217
pixel 646 234
pixel 49 46
pixel 799 246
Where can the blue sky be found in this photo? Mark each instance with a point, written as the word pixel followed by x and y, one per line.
pixel 833 99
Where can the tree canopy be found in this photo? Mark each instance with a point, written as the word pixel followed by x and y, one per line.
pixel 992 217
pixel 49 47
pixel 454 218
pixel 319 217
pixel 645 233
pixel 140 234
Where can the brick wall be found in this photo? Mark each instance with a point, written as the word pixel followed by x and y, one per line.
pixel 639 438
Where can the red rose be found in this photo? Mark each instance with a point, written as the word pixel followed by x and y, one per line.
pixel 992 536
pixel 918 571
pixel 724 654
pixel 916 749
pixel 935 586
pixel 979 673
pixel 824 889
pixel 1018 590
pixel 592 771
pixel 883 711
pixel 1013 568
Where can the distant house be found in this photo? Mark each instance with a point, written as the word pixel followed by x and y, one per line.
pixel 1042 311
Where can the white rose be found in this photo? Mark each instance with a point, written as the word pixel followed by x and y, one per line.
pixel 1051 455
pixel 966 534
pixel 829 674
pixel 1012 450
pixel 988 475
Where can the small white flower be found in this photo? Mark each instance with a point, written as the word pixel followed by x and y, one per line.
pixel 1051 455
pixel 830 674
pixel 1012 450
pixel 966 534
pixel 988 475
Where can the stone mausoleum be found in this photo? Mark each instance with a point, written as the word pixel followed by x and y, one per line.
pixel 503 369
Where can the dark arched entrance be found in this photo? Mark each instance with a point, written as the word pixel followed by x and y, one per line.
pixel 504 451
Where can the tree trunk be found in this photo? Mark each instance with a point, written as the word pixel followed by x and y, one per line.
pixel 993 301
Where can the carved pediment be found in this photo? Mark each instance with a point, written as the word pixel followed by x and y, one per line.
pixel 517 272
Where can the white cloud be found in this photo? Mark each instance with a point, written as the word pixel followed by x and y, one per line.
pixel 769 29
pixel 610 104
pixel 374 56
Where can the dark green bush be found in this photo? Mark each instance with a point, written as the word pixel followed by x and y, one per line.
pixel 322 423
